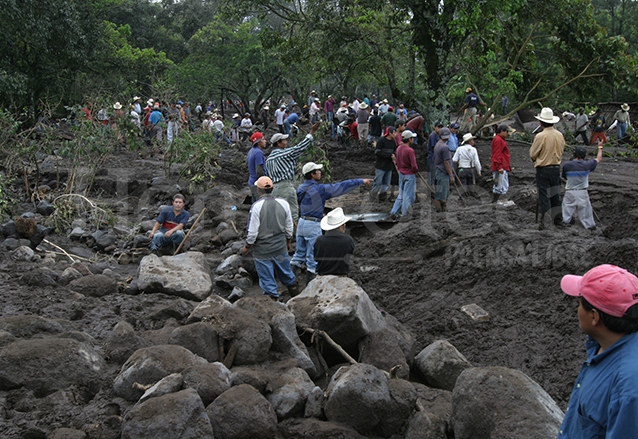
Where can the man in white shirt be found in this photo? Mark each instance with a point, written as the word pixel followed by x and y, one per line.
pixel 219 131
pixel 468 161
pixel 280 115
pixel 581 126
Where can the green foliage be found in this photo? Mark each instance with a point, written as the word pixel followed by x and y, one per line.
pixel 7 197
pixel 197 153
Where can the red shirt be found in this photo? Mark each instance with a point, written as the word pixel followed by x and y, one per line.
pixel 354 131
pixel 416 124
pixel 406 160
pixel 500 154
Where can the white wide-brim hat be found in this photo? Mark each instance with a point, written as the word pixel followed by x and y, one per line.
pixel 625 107
pixel 335 218
pixel 467 137
pixel 547 116
pixel 117 106
pixel 363 106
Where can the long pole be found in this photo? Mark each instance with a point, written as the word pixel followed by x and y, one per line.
pixel 456 177
pixel 189 232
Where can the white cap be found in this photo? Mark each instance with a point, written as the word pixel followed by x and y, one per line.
pixel 310 166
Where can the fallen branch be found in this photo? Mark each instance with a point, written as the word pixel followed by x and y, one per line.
pixel 63 251
pixel 189 232
pixel 319 333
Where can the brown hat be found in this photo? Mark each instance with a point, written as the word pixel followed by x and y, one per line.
pixel 264 183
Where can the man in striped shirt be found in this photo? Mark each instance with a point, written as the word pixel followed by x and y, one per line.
pixel 281 166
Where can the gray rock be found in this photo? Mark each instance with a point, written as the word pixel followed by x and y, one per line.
pixel 177 309
pixel 200 338
pixel 69 275
pixel 242 412
pixel 6 337
pixel 499 403
pixel 314 404
pixel 104 239
pixel 122 342
pixel 185 275
pixel 403 399
pixel 68 433
pixel 358 396
pixel 147 226
pixel 13 243
pixel 290 392
pixel 209 380
pixel 440 364
pixel 40 277
pixel 236 294
pixel 26 326
pixel 311 428
pixel 426 425
pixel 382 349
pixel 79 223
pixel 82 252
pixel 237 281
pixel 222 226
pixel 44 208
pixel 23 253
pixel 254 377
pixel 141 241
pixel 46 365
pixel 230 263
pixel 338 306
pixel 113 275
pixel 169 384
pixel 95 285
pixel 435 401
pixel 121 231
pixel 228 235
pixel 179 415
pixel 10 230
pixel 40 233
pixel 149 365
pixel 282 327
pixel 208 309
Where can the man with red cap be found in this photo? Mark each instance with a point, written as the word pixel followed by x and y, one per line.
pixel 604 402
pixel 269 236
pixel 256 161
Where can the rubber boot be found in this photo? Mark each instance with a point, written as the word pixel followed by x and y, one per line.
pixel 437 205
pixel 495 197
pixel 310 276
pixel 293 289
pixel 443 206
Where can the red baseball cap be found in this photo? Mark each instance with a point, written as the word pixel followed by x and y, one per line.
pixel 256 137
pixel 608 288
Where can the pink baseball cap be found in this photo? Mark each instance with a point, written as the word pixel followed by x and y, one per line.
pixel 608 288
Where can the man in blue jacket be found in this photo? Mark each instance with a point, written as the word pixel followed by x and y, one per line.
pixel 312 198
pixel 604 402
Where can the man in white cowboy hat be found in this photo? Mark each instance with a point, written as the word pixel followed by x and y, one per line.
pixel 621 119
pixel 362 123
pixel 383 108
pixel 269 236
pixel 281 166
pixel 280 115
pixel 312 197
pixel 265 116
pixel 468 161
pixel 311 98
pixel 546 152
pixel 334 249
pixel 136 104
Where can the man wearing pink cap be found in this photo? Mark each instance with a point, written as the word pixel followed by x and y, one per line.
pixel 604 402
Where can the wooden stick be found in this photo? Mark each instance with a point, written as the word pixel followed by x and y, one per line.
pixel 426 183
pixel 63 251
pixel 234 228
pixel 456 177
pixel 189 232
pixel 331 342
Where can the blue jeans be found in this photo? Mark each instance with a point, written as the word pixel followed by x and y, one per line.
pixel 622 129
pixel 159 240
pixel 407 194
pixel 329 117
pixel 287 127
pixel 307 233
pixel 267 269
pixel 501 182
pixel 442 185
pixel 431 173
pixel 381 181
pixel 219 135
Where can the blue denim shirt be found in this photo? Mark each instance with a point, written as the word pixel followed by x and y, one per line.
pixel 312 196
pixel 604 402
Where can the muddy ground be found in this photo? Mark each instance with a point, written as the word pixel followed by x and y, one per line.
pixel 422 271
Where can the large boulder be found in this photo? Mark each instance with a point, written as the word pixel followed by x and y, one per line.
pixel 200 338
pixel 289 394
pixel 382 349
pixel 96 285
pixel 178 309
pixel 499 403
pixel 242 413
pixel 403 399
pixel 295 428
pixel 338 306
pixel 358 395
pixel 122 342
pixel 435 401
pixel 179 415
pixel 26 326
pixel 207 309
pixel 229 264
pixel 426 425
pixel 185 275
pixel 169 384
pixel 46 365
pixel 282 327
pixel 440 364
pixel 149 365
pixel 210 380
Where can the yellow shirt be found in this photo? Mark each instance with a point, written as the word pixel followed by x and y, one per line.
pixel 547 148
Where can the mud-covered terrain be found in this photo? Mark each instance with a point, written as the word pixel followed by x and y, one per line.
pixel 421 271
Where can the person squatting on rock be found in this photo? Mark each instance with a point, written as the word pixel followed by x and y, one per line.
pixel 407 167
pixel 312 198
pixel 334 249
pixel 269 235
pixel 468 161
pixel 546 152
pixel 604 401
pixel 500 162
pixel 443 172
pixel 169 227
pixel 281 166
pixel 256 162
pixel 576 198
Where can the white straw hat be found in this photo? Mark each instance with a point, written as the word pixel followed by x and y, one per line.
pixel 547 116
pixel 334 219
